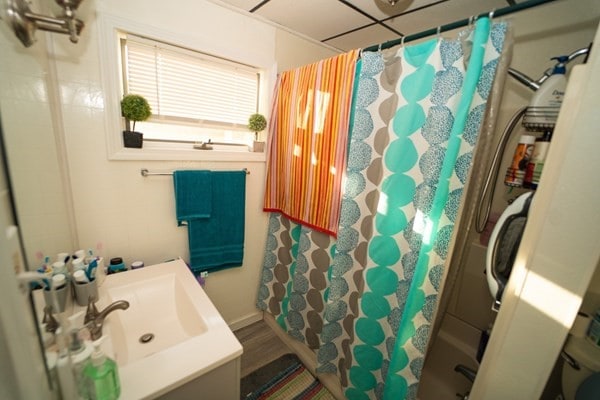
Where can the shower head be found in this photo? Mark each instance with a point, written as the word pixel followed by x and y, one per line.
pixel 536 84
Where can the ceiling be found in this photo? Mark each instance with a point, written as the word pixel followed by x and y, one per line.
pixel 351 24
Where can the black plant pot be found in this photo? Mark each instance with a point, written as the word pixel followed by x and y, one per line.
pixel 133 139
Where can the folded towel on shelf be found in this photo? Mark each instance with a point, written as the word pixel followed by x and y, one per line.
pixel 217 242
pixel 193 195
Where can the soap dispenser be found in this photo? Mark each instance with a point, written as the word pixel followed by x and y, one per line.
pixel 80 353
pixel 102 375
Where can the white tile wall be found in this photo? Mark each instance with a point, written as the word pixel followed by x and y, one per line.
pixel 117 211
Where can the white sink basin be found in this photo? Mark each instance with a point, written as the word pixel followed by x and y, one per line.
pixel 160 310
pixel 188 336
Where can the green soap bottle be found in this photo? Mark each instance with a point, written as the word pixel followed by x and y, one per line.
pixel 102 376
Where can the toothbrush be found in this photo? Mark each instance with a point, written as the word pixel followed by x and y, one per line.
pixel 90 271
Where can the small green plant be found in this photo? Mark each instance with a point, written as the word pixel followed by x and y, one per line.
pixel 256 123
pixel 135 108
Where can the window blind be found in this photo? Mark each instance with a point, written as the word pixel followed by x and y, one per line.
pixel 190 86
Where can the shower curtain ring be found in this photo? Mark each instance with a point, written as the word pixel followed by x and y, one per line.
pixel 491 15
pixel 379 47
pixel 471 20
pixel 439 31
pixel 402 41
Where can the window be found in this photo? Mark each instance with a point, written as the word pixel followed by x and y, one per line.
pixel 194 97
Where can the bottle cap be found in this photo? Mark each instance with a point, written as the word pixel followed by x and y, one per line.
pixel 58 281
pixel 116 261
pixel 137 264
pixel 77 264
pixel 80 276
pixel 58 267
pixel 79 254
pixel 98 357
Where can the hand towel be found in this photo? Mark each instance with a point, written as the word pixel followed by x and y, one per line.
pixel 193 195
pixel 217 242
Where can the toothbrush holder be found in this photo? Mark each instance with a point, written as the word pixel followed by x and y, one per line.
pixel 61 297
pixel 83 291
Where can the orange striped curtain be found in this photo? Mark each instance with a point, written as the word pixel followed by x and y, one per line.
pixel 308 140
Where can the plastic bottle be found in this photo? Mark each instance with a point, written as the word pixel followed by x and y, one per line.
pixel 64 372
pixel 593 333
pixel 545 103
pixel 536 164
pixel 80 277
pixel 80 355
pixel 59 281
pixel 59 267
pixel 516 171
pixel 77 264
pixel 116 265
pixel 102 376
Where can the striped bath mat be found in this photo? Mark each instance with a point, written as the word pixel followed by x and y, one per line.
pixel 293 382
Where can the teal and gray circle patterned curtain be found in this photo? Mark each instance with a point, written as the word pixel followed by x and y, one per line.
pixel 365 302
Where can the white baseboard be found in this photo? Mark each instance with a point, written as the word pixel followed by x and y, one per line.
pixel 246 320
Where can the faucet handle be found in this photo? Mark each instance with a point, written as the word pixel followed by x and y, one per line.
pixel 91 312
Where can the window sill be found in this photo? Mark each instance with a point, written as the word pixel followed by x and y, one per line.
pixel 162 154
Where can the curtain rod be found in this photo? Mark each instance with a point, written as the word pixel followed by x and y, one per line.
pixel 145 172
pixel 458 24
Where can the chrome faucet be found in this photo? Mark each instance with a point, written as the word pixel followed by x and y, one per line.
pixel 94 319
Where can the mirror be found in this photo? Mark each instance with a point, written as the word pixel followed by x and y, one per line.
pixel 36 158
pixel 35 148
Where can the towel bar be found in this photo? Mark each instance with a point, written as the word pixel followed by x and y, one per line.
pixel 145 172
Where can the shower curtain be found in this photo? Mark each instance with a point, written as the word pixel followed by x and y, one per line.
pixel 365 301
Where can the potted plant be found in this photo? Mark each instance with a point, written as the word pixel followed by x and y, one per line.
pixel 257 123
pixel 134 108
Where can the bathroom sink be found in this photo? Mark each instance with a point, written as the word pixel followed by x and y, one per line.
pixel 170 334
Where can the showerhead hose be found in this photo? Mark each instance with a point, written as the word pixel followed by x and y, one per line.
pixel 487 193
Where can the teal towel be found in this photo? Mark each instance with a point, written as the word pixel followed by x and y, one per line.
pixel 218 242
pixel 193 195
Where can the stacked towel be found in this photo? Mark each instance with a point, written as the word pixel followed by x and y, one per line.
pixel 217 241
pixel 193 199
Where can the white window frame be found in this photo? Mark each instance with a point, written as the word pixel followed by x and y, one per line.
pixel 111 29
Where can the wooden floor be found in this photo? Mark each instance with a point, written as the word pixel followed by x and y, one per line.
pixel 261 346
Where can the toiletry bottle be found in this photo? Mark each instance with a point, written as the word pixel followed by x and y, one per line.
pixel 59 281
pixel 102 376
pixel 80 277
pixel 516 171
pixel 79 254
pixel 59 267
pixel 547 100
pixel 77 264
pixel 116 265
pixel 536 164
pixel 593 333
pixel 64 372
pixel 80 355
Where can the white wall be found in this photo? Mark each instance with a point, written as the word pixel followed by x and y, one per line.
pixel 35 151
pixel 120 213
